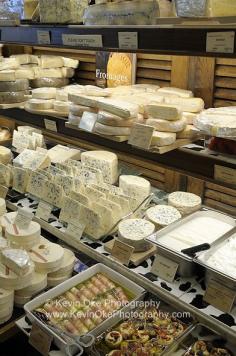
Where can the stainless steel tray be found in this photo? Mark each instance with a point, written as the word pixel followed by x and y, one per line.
pixel 186 263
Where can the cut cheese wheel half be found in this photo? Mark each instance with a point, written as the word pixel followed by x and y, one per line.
pixel 25 238
pixel 135 187
pixel 167 126
pixel 111 130
pixel 47 258
pixel 69 62
pixel 9 280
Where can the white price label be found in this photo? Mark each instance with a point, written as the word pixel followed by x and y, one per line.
pixel 23 218
pixel 128 40
pixel 220 42
pixel 3 191
pixel 75 230
pixel 40 340
pixel 122 252
pixel 43 37
pixel 141 136
pixel 82 40
pixel 220 296
pixel 44 210
pixel 50 125
pixel 88 121
pixel 164 268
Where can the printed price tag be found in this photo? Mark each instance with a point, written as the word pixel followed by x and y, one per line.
pixel 122 252
pixel 23 218
pixel 128 40
pixel 50 125
pixel 141 136
pixel 75 230
pixel 82 40
pixel 88 121
pixel 44 37
pixel 44 210
pixel 225 174
pixel 219 296
pixel 40 340
pixel 220 42
pixel 164 268
pixel 3 191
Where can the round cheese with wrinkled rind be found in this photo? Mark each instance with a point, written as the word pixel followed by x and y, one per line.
pixel 47 257
pixel 162 215
pixel 185 202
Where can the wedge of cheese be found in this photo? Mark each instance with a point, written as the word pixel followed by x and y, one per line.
pixel 167 126
pixel 163 138
pixel 118 107
pixel 163 111
pixel 193 105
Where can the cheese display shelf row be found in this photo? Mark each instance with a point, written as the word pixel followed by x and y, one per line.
pixel 175 39
pixel 184 293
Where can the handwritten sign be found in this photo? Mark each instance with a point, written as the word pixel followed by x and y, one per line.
pixel 220 42
pixel 122 252
pixel 164 268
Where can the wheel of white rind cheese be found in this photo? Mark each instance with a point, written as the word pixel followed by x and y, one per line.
pixel 40 104
pixel 6 311
pixel 25 238
pixel 134 232
pixel 5 155
pixel 55 281
pixel 186 203
pixel 11 281
pixel 162 215
pixel 20 301
pixel 7 219
pixel 6 296
pixel 47 257
pixel 67 265
pixel 18 85
pixel 167 126
pixel 38 283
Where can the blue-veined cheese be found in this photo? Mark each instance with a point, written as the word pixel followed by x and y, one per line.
pixel 162 215
pixel 185 202
pixel 135 187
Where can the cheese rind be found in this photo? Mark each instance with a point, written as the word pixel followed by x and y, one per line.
pixel 193 105
pixel 69 62
pixel 167 126
pixel 7 76
pixel 49 82
pixel 162 215
pixel 189 132
pixel 18 85
pixel 12 97
pixel 40 104
pixel 176 91
pixel 47 257
pixel 61 106
pixel 60 154
pixel 25 73
pixel 118 107
pixel 17 260
pixel 163 138
pixel 113 120
pixel 111 130
pixel 44 93
pixel 163 111
pixel 78 110
pixel 186 203
pixel 135 187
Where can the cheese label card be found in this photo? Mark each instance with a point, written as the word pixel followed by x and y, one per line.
pixel 75 230
pixel 128 40
pixel 225 174
pixel 88 121
pixel 220 296
pixel 44 210
pixel 50 125
pixel 43 37
pixel 94 41
pixel 220 42
pixel 141 136
pixel 122 252
pixel 3 191
pixel 23 218
pixel 164 268
pixel 40 340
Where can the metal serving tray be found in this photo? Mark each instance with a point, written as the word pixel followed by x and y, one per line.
pixel 186 263
pixel 133 288
pixel 212 273
pixel 199 332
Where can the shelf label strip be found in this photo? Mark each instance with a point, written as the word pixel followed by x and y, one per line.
pixel 128 40
pixel 82 40
pixel 220 42
pixel 44 37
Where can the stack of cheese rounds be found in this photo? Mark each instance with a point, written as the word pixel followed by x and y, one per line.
pixel 6 304
pixel 23 238
pixel 11 281
pixel 47 257
pixel 65 271
pixel 162 215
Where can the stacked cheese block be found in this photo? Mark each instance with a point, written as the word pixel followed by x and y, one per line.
pixel 12 88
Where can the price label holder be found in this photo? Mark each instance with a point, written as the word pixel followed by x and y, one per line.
pixel 40 340
pixel 23 218
pixel 88 121
pixel 94 41
pixel 75 230
pixel 122 252
pixel 3 191
pixel 141 136
pixel 50 125
pixel 220 42
pixel 128 40
pixel 44 210
pixel 225 174
pixel 220 296
pixel 44 37
pixel 164 268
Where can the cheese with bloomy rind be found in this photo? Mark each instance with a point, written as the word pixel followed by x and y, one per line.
pixel 135 187
pixel 134 232
pixel 189 132
pixel 91 90
pixel 17 260
pixel 84 100
pixel 51 62
pixel 163 111
pixel 61 106
pixel 47 257
pixel 52 193
pixel 186 203
pixel 44 93
pixel 40 104
pixel 12 97
pixel 167 126
pixel 49 82
pixel 176 91
pixel 9 63
pixel 60 154
pixel 111 130
pixel 193 105
pixel 69 62
pixel 18 85
pixel 20 179
pixel 118 107
pixel 108 119
pixel 11 281
pixel 105 161
pixel 162 215
pixel 25 73
pixel 78 110
pixel 5 175
pixel 5 155
pixel 163 138
pixel 38 284
pixel 23 238
pixel 66 168
pixel 7 76
pixel 67 265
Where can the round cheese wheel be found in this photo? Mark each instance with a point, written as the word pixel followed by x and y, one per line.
pixel 6 318
pixel 11 281
pixel 20 301
pixel 6 310
pixel 3 243
pixel 49 82
pixel 2 206
pixel 7 76
pixel 78 110
pixel 44 93
pixel 25 238
pixel 17 85
pixel 38 283
pixel 135 187
pixel 47 257
pixel 167 126
pixel 186 203
pixel 53 282
pixel 111 130
pixel 134 232
pixel 162 215
pixel 5 155
pixel 12 97
pixel 66 266
pixel 6 297
pixel 40 104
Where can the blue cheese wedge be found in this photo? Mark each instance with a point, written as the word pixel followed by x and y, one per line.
pixel 135 187
pixel 162 215
pixel 134 232
pixel 66 182
pixel 186 203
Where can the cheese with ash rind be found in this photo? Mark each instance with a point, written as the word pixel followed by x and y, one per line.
pixel 7 76
pixel 11 281
pixel 51 61
pixel 167 126
pixel 5 175
pixel 18 85
pixel 163 111
pixel 47 257
pixel 189 132
pixel 78 110
pixel 70 62
pixel 66 182
pixel 105 161
pixel 186 203
pixel 81 198
pixel 40 104
pixel 111 130
pixel 44 93
pixel 17 260
pixel 193 105
pixel 52 193
pixel 49 82
pixel 12 97
pixel 36 183
pixel 108 119
pixel 134 232
pixel 163 138
pixel 5 155
pixel 60 154
pixel 118 107
pixel 135 187
pixel 20 179
pixel 176 91
pixel 162 215
pixel 61 106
